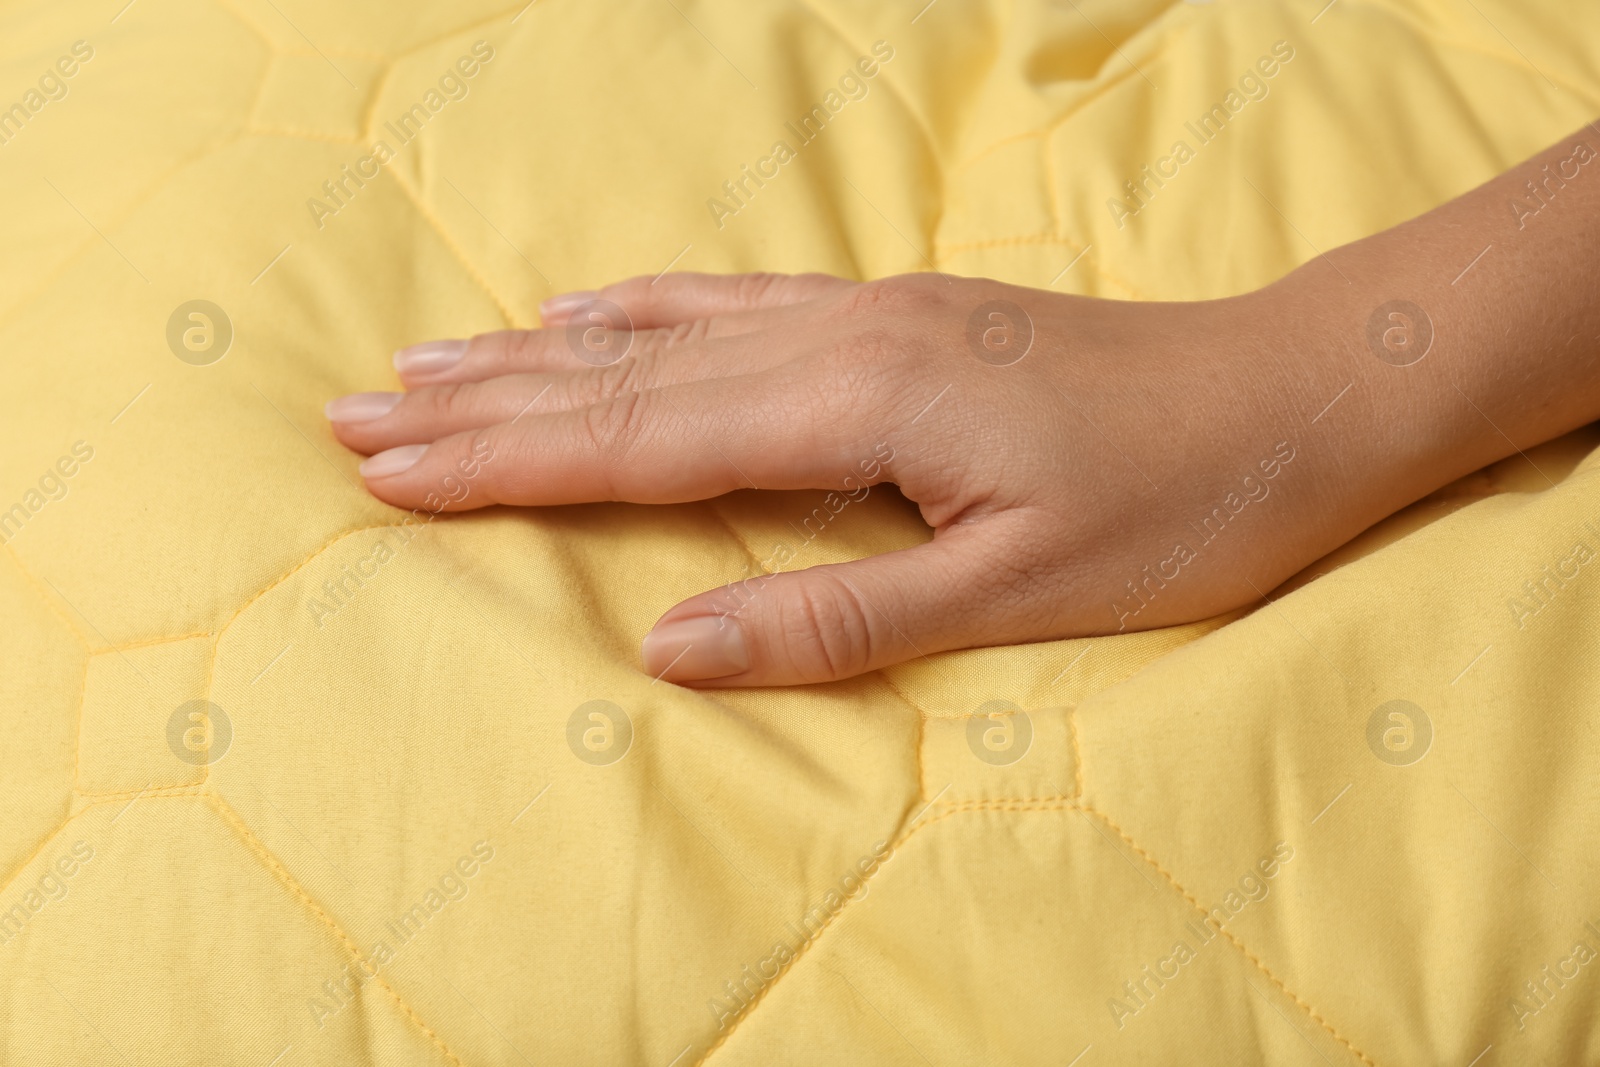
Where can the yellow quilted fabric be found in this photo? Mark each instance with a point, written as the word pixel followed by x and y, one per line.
pixel 289 777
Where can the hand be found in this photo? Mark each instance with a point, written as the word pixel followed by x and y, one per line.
pixel 1135 466
pixel 1087 466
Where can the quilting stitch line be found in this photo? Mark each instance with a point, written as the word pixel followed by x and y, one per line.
pixel 48 600
pixel 369 121
pixel 426 212
pixel 901 837
pixel 273 865
pixel 1233 939
pixel 1433 34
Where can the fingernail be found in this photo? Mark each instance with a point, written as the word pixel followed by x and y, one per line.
pixel 360 407
pixel 564 304
pixel 393 461
pixel 696 650
pixel 430 357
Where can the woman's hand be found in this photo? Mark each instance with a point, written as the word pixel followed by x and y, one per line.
pixel 1087 466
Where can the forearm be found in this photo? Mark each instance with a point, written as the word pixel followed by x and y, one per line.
pixel 1495 295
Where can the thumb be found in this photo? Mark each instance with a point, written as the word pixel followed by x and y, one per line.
pixel 669 299
pixel 839 620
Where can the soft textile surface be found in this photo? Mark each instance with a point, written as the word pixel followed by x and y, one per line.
pixel 379 844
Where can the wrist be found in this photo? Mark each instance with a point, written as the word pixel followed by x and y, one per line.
pixel 1354 380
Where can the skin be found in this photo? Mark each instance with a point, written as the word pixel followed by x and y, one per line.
pixel 1259 432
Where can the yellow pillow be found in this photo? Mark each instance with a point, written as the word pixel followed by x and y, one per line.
pixel 290 779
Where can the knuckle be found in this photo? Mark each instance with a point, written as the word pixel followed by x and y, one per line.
pixel 683 333
pixel 814 283
pixel 479 449
pixel 874 344
pixel 870 368
pixel 758 289
pixel 866 298
pixel 525 348
pixel 628 293
pixel 503 448
pixel 612 426
pixel 449 400
pixel 612 381
pixel 825 629
pixel 902 293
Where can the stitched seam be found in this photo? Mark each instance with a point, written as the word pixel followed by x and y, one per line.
pixel 261 82
pixel 733 532
pixel 1073 744
pixel 1088 810
pixel 1007 714
pixel 83 704
pixel 272 865
pixel 922 769
pixel 460 31
pixel 982 153
pixel 904 101
pixel 179 791
pixel 943 815
pixel 1172 14
pixel 901 837
pixel 292 571
pixel 72 628
pixel 216 644
pixel 899 842
pixel 922 739
pixel 473 272
pixel 1232 938
pixel 1437 36
pixel 276 868
pixel 211 675
pixel 1047 161
pixel 184 789
pixel 1021 239
pixel 370 118
pixel 151 641
pixel 1077 751
pixel 1169 34
pixel 46 596
pixel 1051 803
pixel 77 740
pixel 5 887
pixel 288 50
pixel 912 704
pixel 56 833
pixel 1057 215
pixel 156 185
pixel 922 716
pixel 1157 54
pixel 989 149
